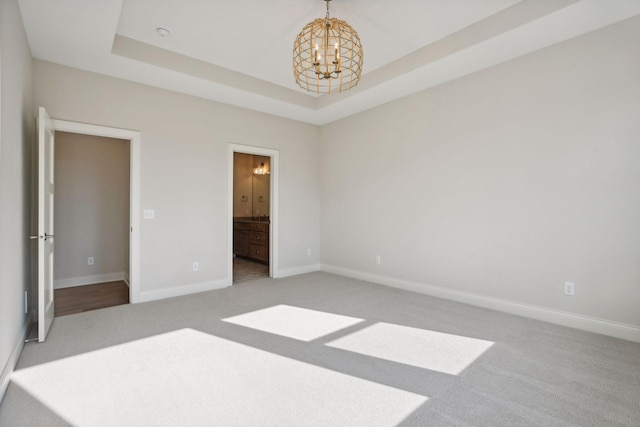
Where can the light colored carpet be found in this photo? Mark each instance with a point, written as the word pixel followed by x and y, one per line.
pixel 320 349
pixel 191 378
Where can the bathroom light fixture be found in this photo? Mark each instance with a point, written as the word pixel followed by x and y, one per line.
pixel 327 56
pixel 260 170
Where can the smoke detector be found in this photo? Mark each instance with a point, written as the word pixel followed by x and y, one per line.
pixel 163 32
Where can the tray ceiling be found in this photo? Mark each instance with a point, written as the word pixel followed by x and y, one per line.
pixel 239 51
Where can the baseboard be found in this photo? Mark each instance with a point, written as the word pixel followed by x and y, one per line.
pixel 88 280
pixel 177 291
pixel 586 323
pixel 286 272
pixel 10 366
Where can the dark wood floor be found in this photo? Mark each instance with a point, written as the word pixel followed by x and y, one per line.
pixel 90 297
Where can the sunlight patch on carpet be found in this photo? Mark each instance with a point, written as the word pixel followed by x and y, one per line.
pixel 435 351
pixel 294 322
pixel 187 377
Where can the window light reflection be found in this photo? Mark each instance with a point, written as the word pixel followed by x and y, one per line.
pixel 294 322
pixel 187 377
pixel 436 351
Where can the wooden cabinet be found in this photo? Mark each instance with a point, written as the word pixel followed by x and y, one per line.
pixel 241 242
pixel 251 240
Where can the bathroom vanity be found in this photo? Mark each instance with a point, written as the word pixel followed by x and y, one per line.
pixel 251 239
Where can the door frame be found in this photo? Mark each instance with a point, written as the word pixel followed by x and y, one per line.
pixel 274 182
pixel 135 139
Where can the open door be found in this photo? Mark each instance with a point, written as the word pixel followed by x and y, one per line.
pixel 45 223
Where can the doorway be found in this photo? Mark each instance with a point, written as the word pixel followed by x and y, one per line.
pixel 253 213
pixel 131 256
pixel 91 219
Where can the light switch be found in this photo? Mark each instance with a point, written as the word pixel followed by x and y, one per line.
pixel 149 214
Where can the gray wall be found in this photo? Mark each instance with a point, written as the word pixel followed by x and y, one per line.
pixel 502 184
pixel 91 208
pixel 16 131
pixel 184 170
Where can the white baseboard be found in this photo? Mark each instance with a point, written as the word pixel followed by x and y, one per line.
pixel 10 366
pixel 286 272
pixel 177 291
pixel 88 280
pixel 586 323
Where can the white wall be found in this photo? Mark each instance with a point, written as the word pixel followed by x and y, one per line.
pixel 16 130
pixel 184 171
pixel 91 208
pixel 503 184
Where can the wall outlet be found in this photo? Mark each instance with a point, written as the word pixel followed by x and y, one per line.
pixel 148 214
pixel 378 259
pixel 90 260
pixel 195 266
pixel 569 288
pixel 309 252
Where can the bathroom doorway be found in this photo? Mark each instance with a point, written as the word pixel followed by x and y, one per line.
pixel 251 212
pixel 253 201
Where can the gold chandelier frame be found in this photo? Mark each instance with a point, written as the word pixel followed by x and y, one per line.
pixel 327 56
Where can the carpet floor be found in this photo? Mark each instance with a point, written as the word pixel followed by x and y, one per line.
pixel 320 349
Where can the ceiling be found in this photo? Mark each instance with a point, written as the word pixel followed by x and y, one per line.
pixel 240 51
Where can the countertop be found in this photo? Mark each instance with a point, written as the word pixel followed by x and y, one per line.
pixel 250 219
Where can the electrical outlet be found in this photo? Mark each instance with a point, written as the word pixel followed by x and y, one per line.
pixel 148 214
pixel 309 252
pixel 90 260
pixel 569 288
pixel 378 259
pixel 195 266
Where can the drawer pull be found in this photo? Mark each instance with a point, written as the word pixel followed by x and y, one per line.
pixel 257 252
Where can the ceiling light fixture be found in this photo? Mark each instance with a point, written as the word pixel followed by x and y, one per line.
pixel 327 56
pixel 163 32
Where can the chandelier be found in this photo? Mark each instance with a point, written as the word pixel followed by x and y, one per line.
pixel 327 56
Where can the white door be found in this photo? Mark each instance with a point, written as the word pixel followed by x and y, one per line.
pixel 45 223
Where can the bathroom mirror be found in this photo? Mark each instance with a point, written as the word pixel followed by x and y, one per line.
pixel 261 179
pixel 251 185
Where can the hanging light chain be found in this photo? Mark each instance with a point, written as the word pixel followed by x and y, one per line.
pixel 336 62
